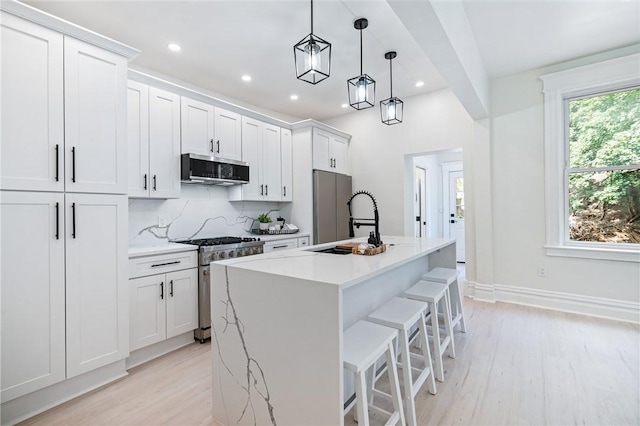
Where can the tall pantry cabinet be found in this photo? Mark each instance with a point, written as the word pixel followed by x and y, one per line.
pixel 63 203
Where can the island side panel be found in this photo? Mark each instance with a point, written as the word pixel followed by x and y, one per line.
pixel 443 258
pixel 276 349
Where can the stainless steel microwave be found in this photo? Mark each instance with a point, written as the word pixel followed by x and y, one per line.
pixel 207 170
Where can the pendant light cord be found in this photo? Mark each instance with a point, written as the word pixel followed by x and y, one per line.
pixel 311 16
pixel 361 51
pixel 391 76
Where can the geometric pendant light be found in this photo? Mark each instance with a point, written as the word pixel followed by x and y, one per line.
pixel 312 56
pixel 362 89
pixel 391 108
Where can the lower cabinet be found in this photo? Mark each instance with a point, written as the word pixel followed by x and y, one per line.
pixel 278 245
pixel 162 306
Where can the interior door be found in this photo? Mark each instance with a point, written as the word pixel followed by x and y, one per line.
pixel 456 212
pixel 420 203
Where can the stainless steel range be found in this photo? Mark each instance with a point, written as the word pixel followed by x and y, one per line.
pixel 210 250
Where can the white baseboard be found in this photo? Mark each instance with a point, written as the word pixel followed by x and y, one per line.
pixel 566 302
pixel 156 350
pixel 29 405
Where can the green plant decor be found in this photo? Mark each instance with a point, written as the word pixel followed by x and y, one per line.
pixel 264 218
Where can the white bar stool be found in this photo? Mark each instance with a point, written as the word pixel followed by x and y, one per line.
pixel 363 344
pixel 402 314
pixel 435 294
pixel 449 277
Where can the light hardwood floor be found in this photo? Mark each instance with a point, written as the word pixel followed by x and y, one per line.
pixel 515 365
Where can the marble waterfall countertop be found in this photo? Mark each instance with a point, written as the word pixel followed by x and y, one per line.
pixel 340 270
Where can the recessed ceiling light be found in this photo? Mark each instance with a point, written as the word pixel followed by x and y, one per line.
pixel 175 47
pixel 420 84
pixel 294 97
pixel 344 105
pixel 246 77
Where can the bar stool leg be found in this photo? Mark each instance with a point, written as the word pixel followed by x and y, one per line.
pixel 447 324
pixel 407 378
pixel 457 301
pixel 394 383
pixel 361 399
pixel 426 353
pixel 433 308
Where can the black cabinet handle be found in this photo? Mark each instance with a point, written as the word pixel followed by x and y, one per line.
pixel 211 141
pixel 266 190
pixel 162 290
pixel 261 189
pixel 73 220
pixel 285 191
pixel 165 264
pixel 218 146
pixel 145 181
pixel 171 288
pixel 73 164
pixel 57 162
pixel 283 246
pixel 57 221
pixel 154 183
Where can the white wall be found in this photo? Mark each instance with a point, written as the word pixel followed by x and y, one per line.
pixel 518 202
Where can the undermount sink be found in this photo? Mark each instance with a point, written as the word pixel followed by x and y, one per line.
pixel 332 250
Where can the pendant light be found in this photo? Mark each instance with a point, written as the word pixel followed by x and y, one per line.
pixel 312 56
pixel 362 89
pixel 391 108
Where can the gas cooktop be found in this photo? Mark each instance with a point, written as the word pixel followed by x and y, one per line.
pixel 219 241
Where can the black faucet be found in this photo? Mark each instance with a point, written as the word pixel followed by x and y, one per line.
pixel 376 218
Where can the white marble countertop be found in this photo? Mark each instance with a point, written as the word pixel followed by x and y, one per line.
pixel 340 270
pixel 166 248
pixel 276 237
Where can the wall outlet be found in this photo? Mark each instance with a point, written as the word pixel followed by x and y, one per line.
pixel 542 271
pixel 162 221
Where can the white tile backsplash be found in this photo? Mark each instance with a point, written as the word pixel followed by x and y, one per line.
pixel 202 211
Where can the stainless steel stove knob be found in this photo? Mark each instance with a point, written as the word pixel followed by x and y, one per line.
pixel 223 255
pixel 232 254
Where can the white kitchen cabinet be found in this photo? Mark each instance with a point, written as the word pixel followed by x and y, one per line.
pixel 164 144
pixel 197 127
pixel 286 164
pixel 95 110
pixel 261 149
pixel 154 142
pixel 228 134
pixel 330 152
pixel 33 291
pixel 97 311
pixel 278 245
pixel 303 241
pixel 32 112
pixel 163 305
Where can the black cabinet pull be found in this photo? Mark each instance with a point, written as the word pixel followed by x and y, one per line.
pixel 266 190
pixel 73 164
pixel 211 145
pixel 145 181
pixel 154 183
pixel 73 220
pixel 165 264
pixel 283 246
pixel 171 288
pixel 261 189
pixel 285 191
pixel 218 146
pixel 57 162
pixel 162 290
pixel 57 221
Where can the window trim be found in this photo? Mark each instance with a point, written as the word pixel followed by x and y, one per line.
pixel 613 75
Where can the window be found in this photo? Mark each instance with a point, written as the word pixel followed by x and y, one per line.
pixel 592 160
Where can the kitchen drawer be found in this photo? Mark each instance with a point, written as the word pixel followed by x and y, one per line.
pixel 159 264
pixel 280 245
pixel 303 242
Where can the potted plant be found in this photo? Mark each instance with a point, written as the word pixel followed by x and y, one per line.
pixel 264 220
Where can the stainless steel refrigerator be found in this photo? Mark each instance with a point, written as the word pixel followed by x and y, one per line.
pixel 331 191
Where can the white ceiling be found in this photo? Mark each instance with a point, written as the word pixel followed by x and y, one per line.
pixel 222 40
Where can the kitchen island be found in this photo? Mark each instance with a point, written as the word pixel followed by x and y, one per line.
pixel 277 323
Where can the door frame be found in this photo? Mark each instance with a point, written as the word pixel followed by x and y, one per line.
pixel 422 193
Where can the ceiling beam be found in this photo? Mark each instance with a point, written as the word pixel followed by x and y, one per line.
pixel 443 32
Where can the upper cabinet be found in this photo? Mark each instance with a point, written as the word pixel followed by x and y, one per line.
pixel 32 149
pixel 154 142
pixel 209 130
pixel 95 111
pixel 63 112
pixel 228 135
pixel 286 162
pixel 261 148
pixel 197 127
pixel 330 152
